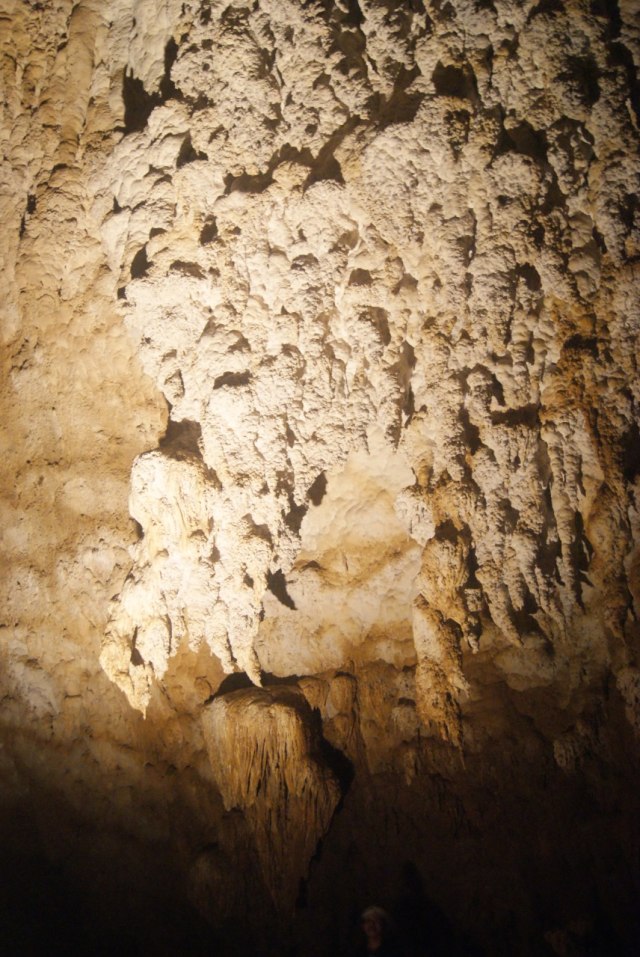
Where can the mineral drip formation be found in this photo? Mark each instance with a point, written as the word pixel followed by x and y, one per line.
pixel 343 298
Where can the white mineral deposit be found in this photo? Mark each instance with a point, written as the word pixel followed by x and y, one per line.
pixel 321 476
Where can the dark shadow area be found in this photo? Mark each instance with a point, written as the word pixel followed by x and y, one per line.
pixel 209 231
pixel 422 928
pixel 140 265
pixel 549 7
pixel 188 154
pixel 403 103
pixel 524 140
pixel 237 681
pixel 508 856
pixel 138 104
pixel 182 438
pixel 525 845
pixel 455 81
pixel 168 88
pixel 48 911
pixel 317 489
pixel 294 517
pixel 184 268
pixel 526 415
pixel 232 380
pixel 277 585
pixel 620 55
pixel 630 458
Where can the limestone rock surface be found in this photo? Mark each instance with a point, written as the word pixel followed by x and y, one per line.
pixel 321 474
pixel 267 761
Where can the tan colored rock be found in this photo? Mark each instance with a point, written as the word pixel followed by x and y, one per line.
pixel 420 302
pixel 265 755
pixel 342 300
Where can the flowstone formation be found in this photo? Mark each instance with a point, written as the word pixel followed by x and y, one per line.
pixel 344 296
pixel 386 253
pixel 265 758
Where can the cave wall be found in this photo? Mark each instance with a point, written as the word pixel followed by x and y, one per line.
pixel 320 495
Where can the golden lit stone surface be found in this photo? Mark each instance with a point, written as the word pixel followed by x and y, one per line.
pixel 344 298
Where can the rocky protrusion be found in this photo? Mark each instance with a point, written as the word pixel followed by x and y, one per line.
pixel 265 750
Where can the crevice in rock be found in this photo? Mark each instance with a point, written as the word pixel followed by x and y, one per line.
pixel 360 277
pixel 182 438
pixel 351 16
pixel 619 54
pixel 379 318
pixel 259 182
pixel 471 432
pixel 582 74
pixel 447 532
pixel 325 165
pixel 140 265
pixel 168 89
pixel 237 681
pixel 277 585
pixel 455 81
pixel 262 532
pixel 525 140
pixel 527 415
pixel 232 380
pixel 183 441
pixel 317 489
pixel 497 390
pixel 209 231
pixel 136 658
pixel 294 517
pixel 402 105
pixel 187 269
pixel 524 620
pixel 337 761
pixel 138 104
pixel 530 275
pixel 580 343
pixel 549 7
pixel 188 154
pixel 631 453
pixel 581 551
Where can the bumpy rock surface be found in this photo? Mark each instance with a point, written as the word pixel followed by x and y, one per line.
pixel 265 760
pixel 345 296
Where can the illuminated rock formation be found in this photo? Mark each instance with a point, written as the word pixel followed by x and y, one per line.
pixel 267 761
pixel 344 296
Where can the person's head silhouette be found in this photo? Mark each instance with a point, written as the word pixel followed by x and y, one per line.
pixel 375 926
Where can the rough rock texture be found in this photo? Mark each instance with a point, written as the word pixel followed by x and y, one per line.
pixel 345 296
pixel 266 762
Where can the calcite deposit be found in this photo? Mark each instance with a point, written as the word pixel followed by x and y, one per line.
pixel 265 759
pixel 342 299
